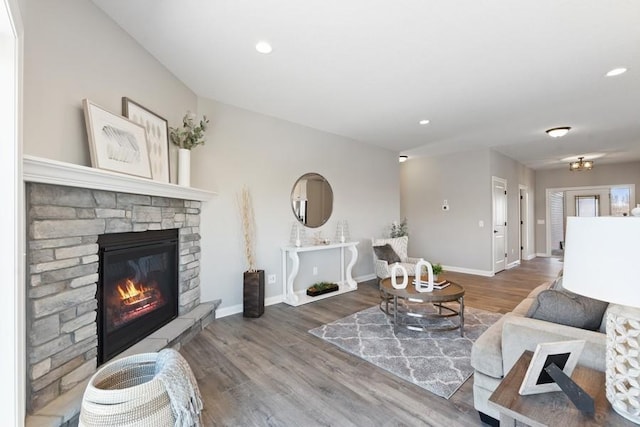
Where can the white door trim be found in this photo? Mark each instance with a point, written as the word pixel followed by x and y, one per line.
pixel 494 180
pixel 523 221
pixel 12 303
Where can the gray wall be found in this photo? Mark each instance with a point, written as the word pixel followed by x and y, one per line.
pixel 454 237
pixel 451 237
pixel 268 155
pixel 602 174
pixel 74 51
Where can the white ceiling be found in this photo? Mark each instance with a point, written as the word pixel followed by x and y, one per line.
pixel 487 73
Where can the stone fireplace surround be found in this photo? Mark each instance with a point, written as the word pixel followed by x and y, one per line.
pixel 67 207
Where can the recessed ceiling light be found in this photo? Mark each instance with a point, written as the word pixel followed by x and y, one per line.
pixel 403 159
pixel 263 47
pixel 424 122
pixel 558 132
pixel 616 72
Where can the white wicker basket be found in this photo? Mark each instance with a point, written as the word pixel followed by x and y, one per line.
pixel 126 392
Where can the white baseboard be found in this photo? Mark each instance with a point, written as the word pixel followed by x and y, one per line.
pixel 542 255
pixel 513 264
pixel 530 257
pixel 365 278
pixel 228 311
pixel 235 309
pixel 484 273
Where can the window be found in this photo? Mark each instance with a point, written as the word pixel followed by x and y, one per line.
pixel 587 205
pixel 620 198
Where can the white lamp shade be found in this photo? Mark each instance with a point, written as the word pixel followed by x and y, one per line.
pixel 602 259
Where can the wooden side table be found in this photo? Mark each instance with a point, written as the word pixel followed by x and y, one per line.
pixel 555 408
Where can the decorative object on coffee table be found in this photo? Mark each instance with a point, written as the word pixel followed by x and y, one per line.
pixel 321 288
pixel 611 243
pixel 437 269
pixel 253 290
pixel 157 137
pixel 188 136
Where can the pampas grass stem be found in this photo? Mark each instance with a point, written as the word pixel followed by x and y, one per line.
pixel 248 227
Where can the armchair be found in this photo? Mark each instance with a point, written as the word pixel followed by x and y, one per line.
pixel 399 246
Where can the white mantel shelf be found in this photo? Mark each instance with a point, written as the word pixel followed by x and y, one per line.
pixel 47 171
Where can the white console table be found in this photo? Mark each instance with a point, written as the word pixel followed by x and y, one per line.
pixel 346 284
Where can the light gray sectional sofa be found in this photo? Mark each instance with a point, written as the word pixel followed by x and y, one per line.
pixel 497 349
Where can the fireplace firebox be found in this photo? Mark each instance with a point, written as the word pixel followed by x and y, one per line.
pixel 137 287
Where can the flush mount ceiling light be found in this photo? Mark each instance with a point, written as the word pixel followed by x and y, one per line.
pixel 581 165
pixel 558 132
pixel 264 47
pixel 424 122
pixel 616 72
pixel 403 159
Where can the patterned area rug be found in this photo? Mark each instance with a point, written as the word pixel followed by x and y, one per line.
pixel 436 361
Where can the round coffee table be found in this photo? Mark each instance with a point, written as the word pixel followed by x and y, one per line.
pixel 422 305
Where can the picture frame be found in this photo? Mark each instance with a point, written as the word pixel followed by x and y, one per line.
pixel 564 354
pixel 116 143
pixel 157 129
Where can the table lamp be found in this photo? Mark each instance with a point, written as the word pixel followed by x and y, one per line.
pixel 602 261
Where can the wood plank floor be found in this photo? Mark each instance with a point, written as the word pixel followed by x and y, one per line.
pixel 271 372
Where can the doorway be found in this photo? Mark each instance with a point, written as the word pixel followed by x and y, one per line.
pixel 602 200
pixel 499 191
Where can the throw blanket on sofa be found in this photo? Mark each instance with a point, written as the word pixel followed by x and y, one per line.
pixel 182 387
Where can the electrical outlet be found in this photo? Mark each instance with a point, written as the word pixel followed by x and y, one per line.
pixel 271 279
pixel 315 271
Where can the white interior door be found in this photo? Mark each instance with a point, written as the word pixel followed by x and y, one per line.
pixel 499 187
pixel 524 223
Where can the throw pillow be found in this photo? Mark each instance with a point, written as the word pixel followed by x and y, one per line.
pixel 386 253
pixel 566 308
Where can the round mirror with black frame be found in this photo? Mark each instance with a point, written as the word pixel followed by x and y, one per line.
pixel 312 200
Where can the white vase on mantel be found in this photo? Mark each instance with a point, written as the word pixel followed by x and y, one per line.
pixel 636 211
pixel 184 167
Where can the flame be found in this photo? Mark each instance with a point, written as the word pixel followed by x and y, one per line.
pixel 130 292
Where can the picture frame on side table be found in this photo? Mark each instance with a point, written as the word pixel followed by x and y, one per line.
pixel 116 143
pixel 563 354
pixel 157 129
